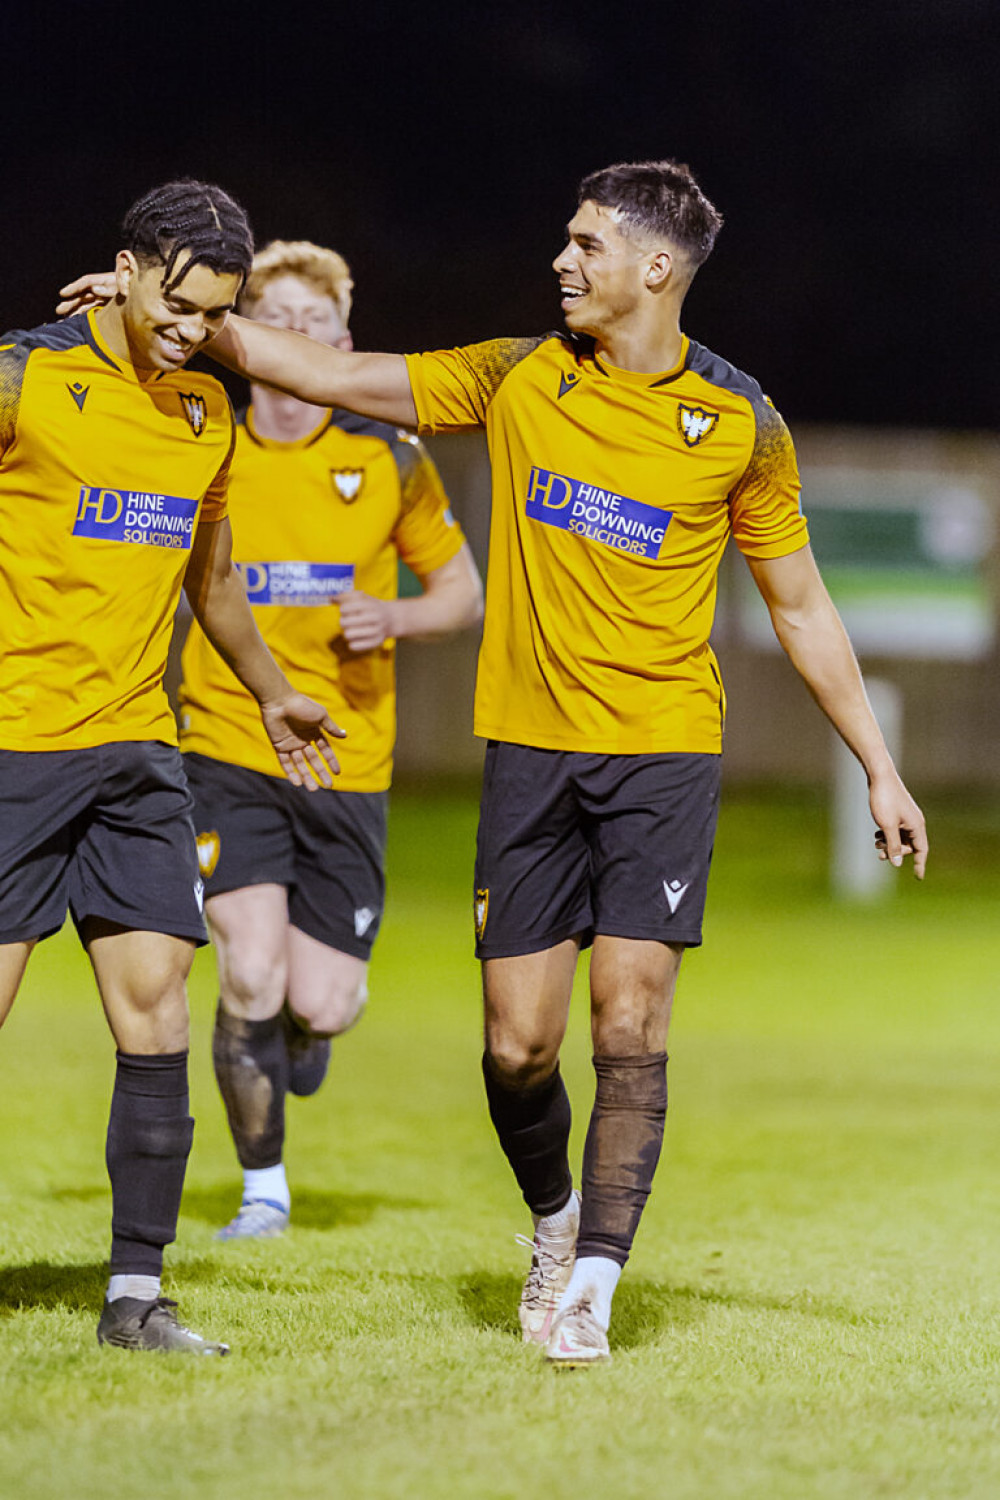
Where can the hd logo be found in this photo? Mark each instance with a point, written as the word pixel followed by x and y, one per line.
pixel 298 583
pixel 596 515
pixel 135 516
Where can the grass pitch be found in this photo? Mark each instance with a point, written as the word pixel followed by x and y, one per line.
pixel 813 1305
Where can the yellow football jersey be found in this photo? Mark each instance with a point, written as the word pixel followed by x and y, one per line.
pixel 312 520
pixel 103 478
pixel 614 495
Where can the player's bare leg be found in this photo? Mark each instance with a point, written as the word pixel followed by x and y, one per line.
pixel 283 995
pixel 527 1006
pixel 632 989
pixel 13 961
pixel 141 978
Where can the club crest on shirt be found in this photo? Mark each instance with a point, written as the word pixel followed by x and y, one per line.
pixel 482 906
pixel 348 483
pixel 695 423
pixel 196 412
pixel 209 847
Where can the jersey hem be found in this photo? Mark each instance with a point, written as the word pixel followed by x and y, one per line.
pixel 535 741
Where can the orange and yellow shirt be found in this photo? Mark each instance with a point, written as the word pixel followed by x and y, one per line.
pixel 614 495
pixel 103 479
pixel 311 520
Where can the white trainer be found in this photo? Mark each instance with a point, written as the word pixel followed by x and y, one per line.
pixel 258 1219
pixel 552 1257
pixel 577 1339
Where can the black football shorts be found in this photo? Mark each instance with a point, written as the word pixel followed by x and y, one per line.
pixel 103 832
pixel 327 848
pixel 573 843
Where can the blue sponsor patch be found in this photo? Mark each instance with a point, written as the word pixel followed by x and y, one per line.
pixel 296 582
pixel 136 516
pixel 597 515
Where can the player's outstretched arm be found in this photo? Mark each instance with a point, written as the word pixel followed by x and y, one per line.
pixel 300 729
pixel 452 599
pixel 813 636
pixel 376 385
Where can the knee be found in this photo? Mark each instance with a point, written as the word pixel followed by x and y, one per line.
pixel 520 1062
pixel 253 984
pixel 334 1010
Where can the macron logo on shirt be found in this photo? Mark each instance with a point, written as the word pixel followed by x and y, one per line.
pixel 597 515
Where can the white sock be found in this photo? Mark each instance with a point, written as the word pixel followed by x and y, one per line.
pixel 595 1278
pixel 142 1288
pixel 562 1221
pixel 267 1182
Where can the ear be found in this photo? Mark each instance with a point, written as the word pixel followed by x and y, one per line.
pixel 659 270
pixel 126 269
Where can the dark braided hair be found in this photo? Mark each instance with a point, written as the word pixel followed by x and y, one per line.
pixel 191 216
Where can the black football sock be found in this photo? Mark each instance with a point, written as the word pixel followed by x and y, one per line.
pixel 533 1129
pixel 251 1067
pixel 149 1138
pixel 621 1152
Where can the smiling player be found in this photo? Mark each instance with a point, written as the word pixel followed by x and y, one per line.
pixel 113 471
pixel 624 457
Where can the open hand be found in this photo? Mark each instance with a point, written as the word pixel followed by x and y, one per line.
pixel 302 733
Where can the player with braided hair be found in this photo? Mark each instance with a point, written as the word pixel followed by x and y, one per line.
pixel 196 217
pixel 114 467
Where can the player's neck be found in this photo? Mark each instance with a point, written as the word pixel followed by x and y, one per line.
pixel 281 418
pixel 642 347
pixel 111 327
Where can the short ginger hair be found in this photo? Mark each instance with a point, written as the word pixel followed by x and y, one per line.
pixel 323 269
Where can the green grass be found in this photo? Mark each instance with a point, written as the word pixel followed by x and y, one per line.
pixel 813 1305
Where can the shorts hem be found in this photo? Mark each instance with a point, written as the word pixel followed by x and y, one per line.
pixel 352 946
pixel 523 946
pixel 692 938
pixel 28 933
pixel 129 922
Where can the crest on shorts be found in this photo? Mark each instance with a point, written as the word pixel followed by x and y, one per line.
pixel 695 423
pixel 482 907
pixel 209 847
pixel 196 412
pixel 348 483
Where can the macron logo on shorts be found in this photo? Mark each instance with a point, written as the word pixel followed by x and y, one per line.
pixel 363 919
pixel 597 515
pixel 674 892
pixel 135 516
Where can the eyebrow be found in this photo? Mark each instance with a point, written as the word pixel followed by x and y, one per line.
pixel 583 236
pixel 186 306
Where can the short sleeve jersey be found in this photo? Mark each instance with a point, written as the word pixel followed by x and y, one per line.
pixel 614 495
pixel 312 520
pixel 103 479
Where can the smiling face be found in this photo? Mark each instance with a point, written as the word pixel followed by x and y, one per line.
pixel 165 327
pixel 290 301
pixel 605 276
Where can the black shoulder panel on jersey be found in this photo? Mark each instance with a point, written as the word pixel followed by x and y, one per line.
pixel 63 335
pixel 356 426
pixel 720 372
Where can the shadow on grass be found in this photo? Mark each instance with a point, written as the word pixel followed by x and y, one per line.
pixel 80 1287
pixel 311 1208
pixel 644 1311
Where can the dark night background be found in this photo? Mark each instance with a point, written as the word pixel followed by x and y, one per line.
pixel 852 148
